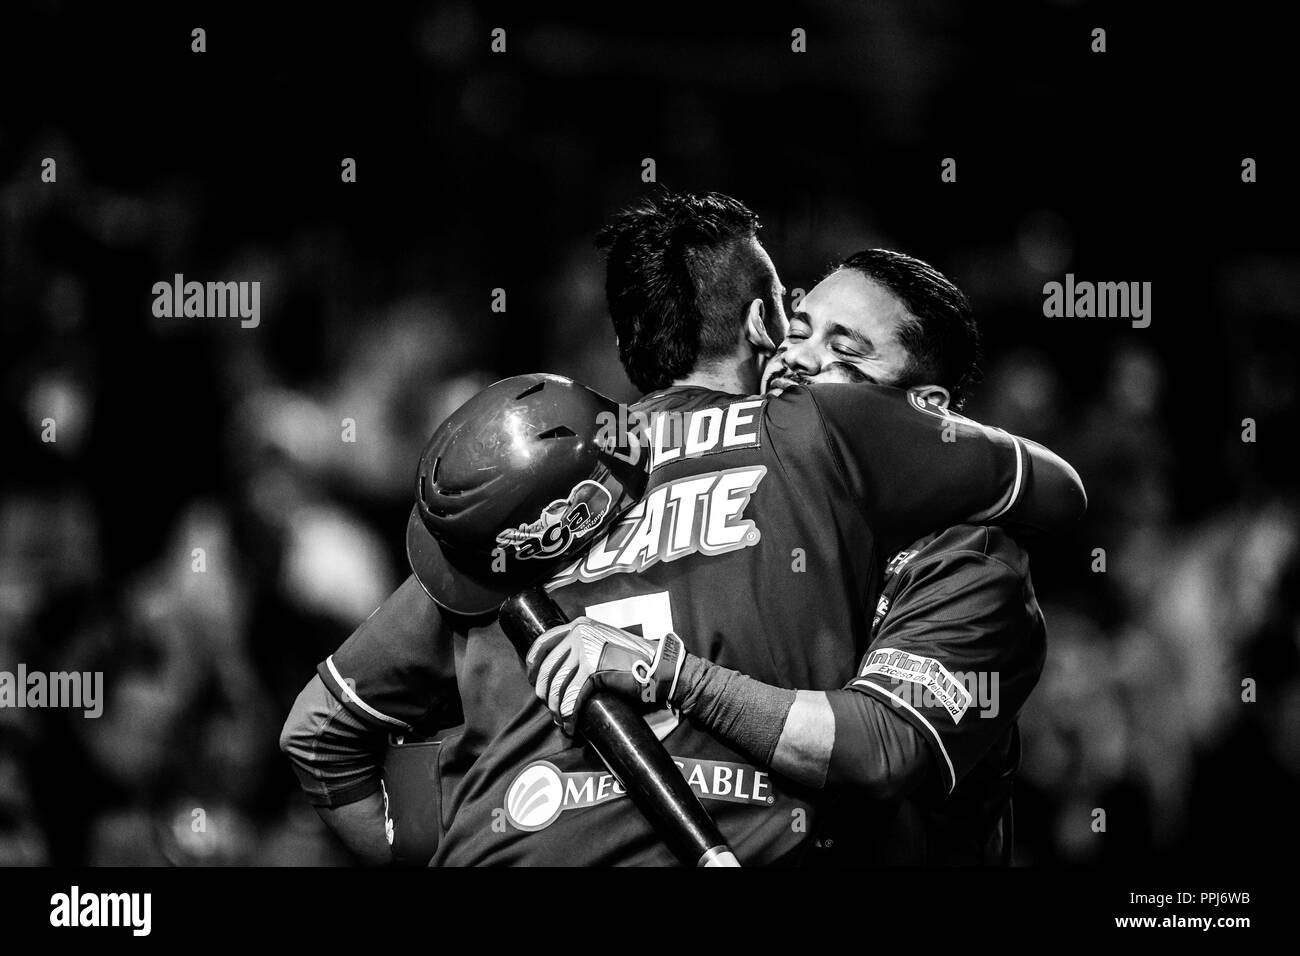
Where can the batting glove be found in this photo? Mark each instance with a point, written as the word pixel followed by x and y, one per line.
pixel 567 664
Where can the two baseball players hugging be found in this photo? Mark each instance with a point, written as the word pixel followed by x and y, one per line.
pixel 810 596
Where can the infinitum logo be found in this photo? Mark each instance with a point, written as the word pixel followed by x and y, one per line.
pixel 75 908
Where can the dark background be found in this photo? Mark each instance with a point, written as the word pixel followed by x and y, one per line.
pixel 479 171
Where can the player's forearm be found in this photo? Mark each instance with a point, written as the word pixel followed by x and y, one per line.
pixel 803 751
pixel 360 826
pixel 748 714
pixel 792 732
pixel 838 739
pixel 1053 497
pixel 337 761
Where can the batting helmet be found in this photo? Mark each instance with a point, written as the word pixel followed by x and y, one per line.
pixel 515 485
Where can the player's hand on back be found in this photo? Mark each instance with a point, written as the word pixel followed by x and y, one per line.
pixel 567 664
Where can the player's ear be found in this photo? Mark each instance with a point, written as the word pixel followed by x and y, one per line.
pixel 756 328
pixel 933 395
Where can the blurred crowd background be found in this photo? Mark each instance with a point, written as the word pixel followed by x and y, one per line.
pixel 479 171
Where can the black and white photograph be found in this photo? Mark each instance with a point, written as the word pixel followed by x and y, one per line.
pixel 847 437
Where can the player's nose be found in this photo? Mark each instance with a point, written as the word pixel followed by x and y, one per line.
pixel 800 357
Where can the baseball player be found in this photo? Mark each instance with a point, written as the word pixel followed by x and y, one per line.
pixel 765 509
pixel 920 747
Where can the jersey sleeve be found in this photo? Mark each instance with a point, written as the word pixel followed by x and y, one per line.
pixel 335 755
pixel 397 671
pixel 915 467
pixel 957 654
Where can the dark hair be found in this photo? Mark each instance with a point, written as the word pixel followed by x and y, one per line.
pixel 678 277
pixel 943 341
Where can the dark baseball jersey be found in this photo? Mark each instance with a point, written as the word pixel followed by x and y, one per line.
pixel 761 524
pixel 957 645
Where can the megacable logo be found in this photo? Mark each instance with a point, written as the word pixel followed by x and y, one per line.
pixel 541 791
pixel 536 797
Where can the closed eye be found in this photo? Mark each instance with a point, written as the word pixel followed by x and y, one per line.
pixel 855 374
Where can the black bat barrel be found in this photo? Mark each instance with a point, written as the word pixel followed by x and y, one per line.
pixel 629 748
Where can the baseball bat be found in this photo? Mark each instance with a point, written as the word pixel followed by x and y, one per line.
pixel 629 748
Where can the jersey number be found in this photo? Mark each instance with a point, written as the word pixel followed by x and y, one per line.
pixel 653 614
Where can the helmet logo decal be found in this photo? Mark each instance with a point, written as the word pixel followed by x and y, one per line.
pixel 561 523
